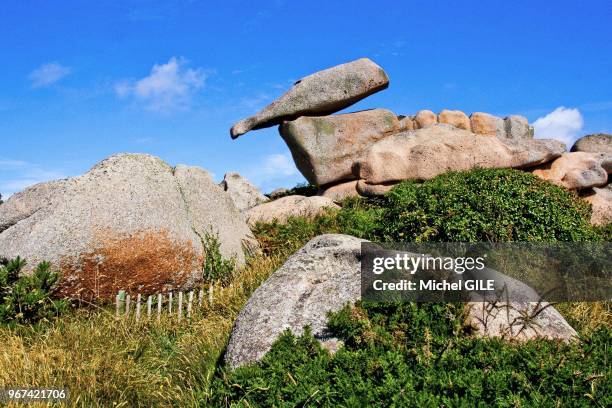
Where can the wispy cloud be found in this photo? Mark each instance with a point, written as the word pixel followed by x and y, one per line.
pixel 168 87
pixel 16 175
pixel 48 74
pixel 276 170
pixel 562 124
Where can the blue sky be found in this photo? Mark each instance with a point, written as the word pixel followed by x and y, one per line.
pixel 83 80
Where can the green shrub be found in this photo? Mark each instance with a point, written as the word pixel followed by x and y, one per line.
pixel 216 267
pixel 496 205
pixel 303 189
pixel 27 299
pixel 419 355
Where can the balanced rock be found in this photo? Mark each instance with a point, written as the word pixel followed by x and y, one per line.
pixel 425 118
pixel 487 124
pixel 601 205
pixel 244 194
pixel 320 278
pixel 325 148
pixel 289 206
pixel 321 93
pixel 339 192
pixel 597 143
pixel 132 222
pixel 425 153
pixel 578 170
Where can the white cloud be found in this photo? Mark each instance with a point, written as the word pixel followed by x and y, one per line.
pixel 168 87
pixel 16 175
pixel 48 74
pixel 562 124
pixel 276 170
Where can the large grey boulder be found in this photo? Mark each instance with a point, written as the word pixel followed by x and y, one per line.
pixel 325 275
pixel 325 148
pixel 321 93
pixel 289 206
pixel 597 143
pixel 578 170
pixel 320 278
pixel 244 194
pixel 425 153
pixel 131 222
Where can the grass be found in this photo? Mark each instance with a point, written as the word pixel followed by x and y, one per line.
pixel 101 359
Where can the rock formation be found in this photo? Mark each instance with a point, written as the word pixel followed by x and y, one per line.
pixel 321 93
pixel 244 194
pixel 132 222
pixel 597 143
pixel 321 277
pixel 325 148
pixel 289 206
pixel 578 170
pixel 325 275
pixel 425 153
pixel 601 204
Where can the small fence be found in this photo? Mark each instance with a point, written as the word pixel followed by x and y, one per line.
pixel 179 304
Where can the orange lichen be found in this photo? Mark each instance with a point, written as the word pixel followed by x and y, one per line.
pixel 146 262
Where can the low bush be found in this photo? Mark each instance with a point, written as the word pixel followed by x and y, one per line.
pixel 418 355
pixel 27 299
pixel 497 205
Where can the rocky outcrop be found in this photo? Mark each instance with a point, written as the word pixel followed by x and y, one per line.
pixel 601 205
pixel 244 194
pixel 339 192
pixel 487 125
pixel 517 127
pixel 289 206
pixel 455 118
pixel 320 278
pixel 132 222
pixel 425 118
pixel 325 148
pixel 426 153
pixel 333 150
pixel 321 93
pixel 597 143
pixel 578 170
pixel 325 275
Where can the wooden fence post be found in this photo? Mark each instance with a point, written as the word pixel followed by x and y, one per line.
pixel 149 303
pixel 127 305
pixel 170 302
pixel 189 302
pixel 180 306
pixel 138 299
pixel 159 306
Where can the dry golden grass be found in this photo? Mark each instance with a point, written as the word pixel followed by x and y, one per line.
pixel 586 317
pixel 103 360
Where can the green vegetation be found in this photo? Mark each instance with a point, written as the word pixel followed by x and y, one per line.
pixel 415 355
pixel 420 355
pixel 216 268
pixel 303 189
pixel 27 299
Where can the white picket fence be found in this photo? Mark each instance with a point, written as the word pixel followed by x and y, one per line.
pixel 179 304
